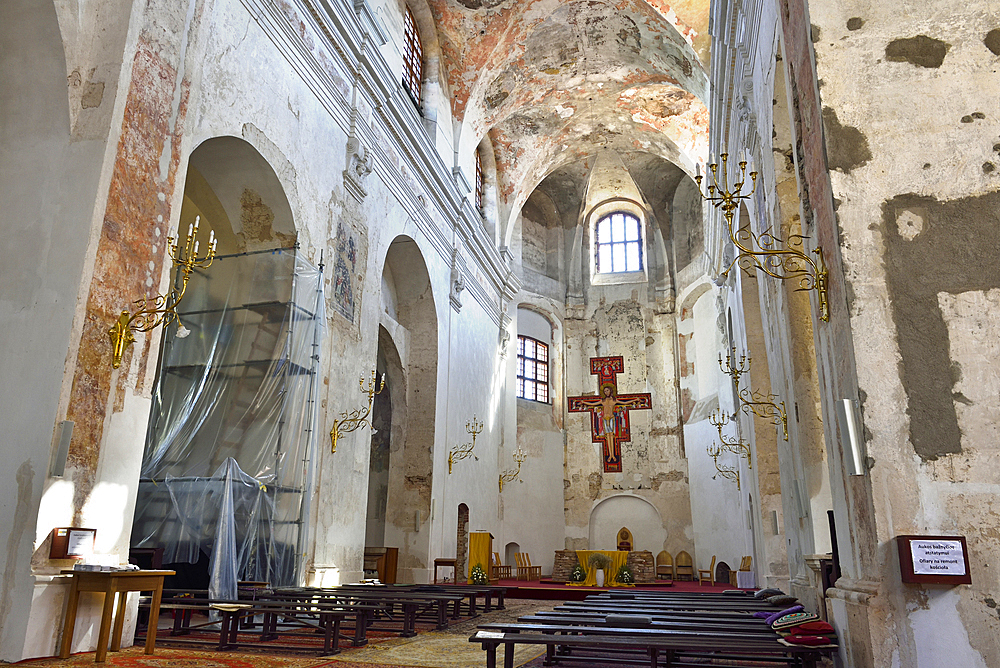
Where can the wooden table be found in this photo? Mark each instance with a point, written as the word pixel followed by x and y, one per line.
pixel 112 583
pixel 446 563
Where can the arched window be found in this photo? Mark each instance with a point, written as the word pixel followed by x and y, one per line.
pixel 532 369
pixel 413 57
pixel 479 181
pixel 618 246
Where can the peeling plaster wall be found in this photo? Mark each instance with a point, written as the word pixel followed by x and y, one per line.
pixel 911 217
pixel 618 320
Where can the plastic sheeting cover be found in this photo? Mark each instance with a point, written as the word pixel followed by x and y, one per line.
pixel 227 464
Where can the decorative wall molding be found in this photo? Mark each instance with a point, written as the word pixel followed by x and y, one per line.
pixel 352 33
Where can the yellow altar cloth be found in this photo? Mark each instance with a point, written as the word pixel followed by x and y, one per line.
pixel 480 545
pixel 617 557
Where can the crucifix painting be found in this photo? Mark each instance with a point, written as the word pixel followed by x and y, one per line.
pixel 609 411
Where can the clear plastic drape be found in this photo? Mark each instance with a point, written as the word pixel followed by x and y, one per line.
pixel 227 462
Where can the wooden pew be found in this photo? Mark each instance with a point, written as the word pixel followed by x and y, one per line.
pixel 623 645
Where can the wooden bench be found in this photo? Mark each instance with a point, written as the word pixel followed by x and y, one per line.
pixel 542 619
pixel 622 646
pixel 279 619
pixel 383 603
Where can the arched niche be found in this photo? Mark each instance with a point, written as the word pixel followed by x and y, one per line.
pixel 414 332
pixel 234 190
pixel 644 521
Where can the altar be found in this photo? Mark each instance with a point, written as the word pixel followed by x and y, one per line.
pixel 641 562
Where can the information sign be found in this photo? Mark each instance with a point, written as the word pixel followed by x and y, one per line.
pixel 933 559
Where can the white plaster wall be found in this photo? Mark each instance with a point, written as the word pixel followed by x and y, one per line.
pixel 634 513
pixel 48 181
pixel 718 523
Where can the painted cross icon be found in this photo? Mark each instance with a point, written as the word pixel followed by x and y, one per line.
pixel 609 411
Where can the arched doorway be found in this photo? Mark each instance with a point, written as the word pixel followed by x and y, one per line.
pixel 462 542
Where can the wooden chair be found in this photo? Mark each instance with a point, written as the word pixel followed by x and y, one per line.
pixel 524 568
pixel 500 572
pixel 664 566
pixel 709 574
pixel 745 577
pixel 683 566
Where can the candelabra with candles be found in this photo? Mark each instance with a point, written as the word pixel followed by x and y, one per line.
pixel 510 475
pixel 161 309
pixel 354 420
pixel 735 446
pixel 459 452
pixel 779 258
pixel 727 472
pixel 734 368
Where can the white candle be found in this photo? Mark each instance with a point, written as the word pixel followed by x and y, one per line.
pixel 190 230
pixel 196 248
pixel 197 221
pixel 211 236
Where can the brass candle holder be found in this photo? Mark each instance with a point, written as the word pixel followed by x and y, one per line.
pixel 779 258
pixel 161 309
pixel 734 368
pixel 510 475
pixel 727 472
pixel 354 420
pixel 460 452
pixel 736 446
pixel 764 406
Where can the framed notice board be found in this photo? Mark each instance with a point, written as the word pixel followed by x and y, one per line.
pixel 72 543
pixel 934 560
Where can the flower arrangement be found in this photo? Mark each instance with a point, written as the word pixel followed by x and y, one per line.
pixel 599 561
pixel 578 574
pixel 478 575
pixel 624 575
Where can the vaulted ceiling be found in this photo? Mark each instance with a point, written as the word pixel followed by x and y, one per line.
pixel 554 82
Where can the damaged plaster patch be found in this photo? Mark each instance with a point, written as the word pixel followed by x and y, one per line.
pixel 910 223
pixel 956 252
pixel 938 631
pixel 992 41
pixel 922 51
pixel 846 146
pixel 973 318
pixel 92 95
pixel 25 479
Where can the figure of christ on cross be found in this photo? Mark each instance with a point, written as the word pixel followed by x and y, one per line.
pixel 609 411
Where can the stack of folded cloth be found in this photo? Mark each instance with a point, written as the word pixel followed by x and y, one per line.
pixel 799 628
pixel 804 628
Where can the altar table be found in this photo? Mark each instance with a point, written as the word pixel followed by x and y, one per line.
pixel 112 583
pixel 618 559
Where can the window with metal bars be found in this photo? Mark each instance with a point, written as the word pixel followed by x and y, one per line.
pixel 532 369
pixel 479 181
pixel 619 243
pixel 413 57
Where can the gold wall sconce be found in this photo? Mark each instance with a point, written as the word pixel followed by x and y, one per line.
pixel 737 446
pixel 354 420
pixel 161 309
pixel 734 368
pixel 460 452
pixel 763 406
pixel 510 475
pixel 727 472
pixel 776 257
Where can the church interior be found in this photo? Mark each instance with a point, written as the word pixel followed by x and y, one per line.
pixel 289 280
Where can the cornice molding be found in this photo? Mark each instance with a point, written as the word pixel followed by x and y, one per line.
pixel 353 32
